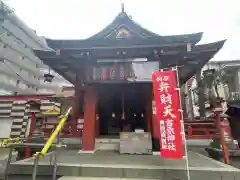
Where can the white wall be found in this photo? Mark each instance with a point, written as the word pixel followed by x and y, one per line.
pixel 223 89
pixel 5 128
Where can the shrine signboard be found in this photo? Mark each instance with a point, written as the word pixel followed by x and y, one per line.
pixel 166 97
pixel 111 72
pixel 139 71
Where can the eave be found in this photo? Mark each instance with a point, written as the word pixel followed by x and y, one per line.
pixel 68 66
pixel 115 43
pixel 206 52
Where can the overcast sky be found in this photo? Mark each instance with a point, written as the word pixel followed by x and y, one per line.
pixel 77 19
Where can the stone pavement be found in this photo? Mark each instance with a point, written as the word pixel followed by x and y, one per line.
pixel 106 158
pixel 114 165
pixel 98 178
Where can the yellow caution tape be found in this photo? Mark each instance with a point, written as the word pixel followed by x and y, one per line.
pixel 4 143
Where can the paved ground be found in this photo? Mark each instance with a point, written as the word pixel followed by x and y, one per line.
pixel 114 159
pixel 113 165
pixel 201 150
pixel 98 178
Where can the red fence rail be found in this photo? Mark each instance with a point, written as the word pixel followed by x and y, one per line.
pixel 70 129
pixel 200 130
pixel 193 129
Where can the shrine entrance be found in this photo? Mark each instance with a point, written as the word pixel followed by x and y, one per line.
pixel 122 107
pixel 122 52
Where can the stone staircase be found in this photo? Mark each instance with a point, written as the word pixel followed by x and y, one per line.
pixel 111 165
pixel 97 178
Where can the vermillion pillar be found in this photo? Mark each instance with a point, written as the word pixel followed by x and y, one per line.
pixel 32 127
pixel 88 138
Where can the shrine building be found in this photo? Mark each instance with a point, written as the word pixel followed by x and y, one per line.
pixel 111 72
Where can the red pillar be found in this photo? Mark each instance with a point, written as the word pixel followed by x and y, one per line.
pixel 88 137
pixel 32 127
pixel 221 134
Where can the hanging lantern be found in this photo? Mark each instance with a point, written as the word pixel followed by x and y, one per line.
pixel 48 77
pixel 113 115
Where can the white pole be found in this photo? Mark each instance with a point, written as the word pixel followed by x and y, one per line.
pixel 182 123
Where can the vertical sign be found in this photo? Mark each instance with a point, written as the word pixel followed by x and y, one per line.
pixel 166 97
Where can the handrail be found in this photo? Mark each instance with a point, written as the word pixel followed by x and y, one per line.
pixel 55 133
pixel 46 147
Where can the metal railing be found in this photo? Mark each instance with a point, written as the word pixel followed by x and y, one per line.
pixel 20 145
pixel 13 143
pixel 48 145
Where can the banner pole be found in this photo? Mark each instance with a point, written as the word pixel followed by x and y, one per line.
pixel 182 123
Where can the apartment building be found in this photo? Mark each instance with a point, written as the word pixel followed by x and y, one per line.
pixel 228 87
pixel 21 72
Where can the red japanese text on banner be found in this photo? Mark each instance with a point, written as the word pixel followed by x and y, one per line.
pixel 168 116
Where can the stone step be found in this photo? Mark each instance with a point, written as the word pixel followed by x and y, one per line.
pixel 112 165
pixel 98 178
pixel 125 172
pixel 28 177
